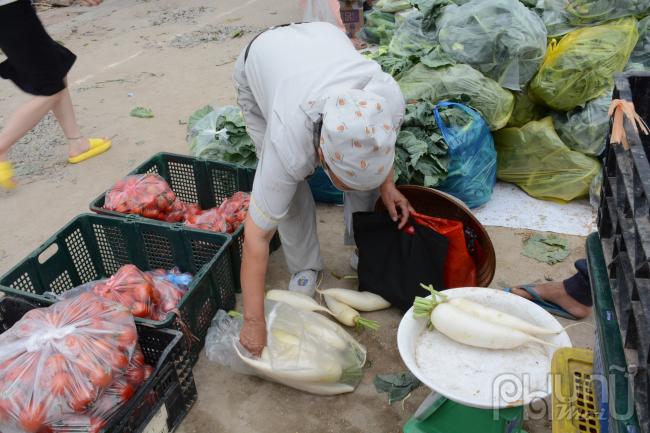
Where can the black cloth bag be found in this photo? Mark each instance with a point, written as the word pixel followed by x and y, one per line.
pixel 393 263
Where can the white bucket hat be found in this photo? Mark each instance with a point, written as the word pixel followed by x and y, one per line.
pixel 357 137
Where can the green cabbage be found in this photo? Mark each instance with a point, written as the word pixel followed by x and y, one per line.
pixel 461 83
pixel 501 38
pixel 585 129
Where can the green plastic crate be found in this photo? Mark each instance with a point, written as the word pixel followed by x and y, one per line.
pixel 201 181
pixel 92 247
pixel 614 388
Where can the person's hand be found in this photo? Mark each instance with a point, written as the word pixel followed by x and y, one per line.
pixel 398 206
pixel 91 2
pixel 253 336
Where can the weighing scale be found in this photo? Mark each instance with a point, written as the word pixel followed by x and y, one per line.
pixel 462 400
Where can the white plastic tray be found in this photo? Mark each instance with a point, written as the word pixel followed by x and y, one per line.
pixel 482 378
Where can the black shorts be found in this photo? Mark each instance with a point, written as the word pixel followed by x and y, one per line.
pixel 35 62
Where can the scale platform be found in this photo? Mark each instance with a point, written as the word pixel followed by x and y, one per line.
pixel 478 390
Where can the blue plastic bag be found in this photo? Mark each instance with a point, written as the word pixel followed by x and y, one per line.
pixel 472 158
pixel 323 189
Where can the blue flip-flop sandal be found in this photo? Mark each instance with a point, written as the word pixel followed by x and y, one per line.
pixel 548 306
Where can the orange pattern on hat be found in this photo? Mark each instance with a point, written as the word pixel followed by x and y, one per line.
pixel 341 101
pixel 363 164
pixel 356 143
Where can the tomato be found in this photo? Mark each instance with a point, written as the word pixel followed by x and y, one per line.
pixel 32 417
pixel 140 309
pixel 101 377
pixel 119 360
pixel 127 338
pixel 147 371
pixel 73 344
pixel 138 357
pixel 61 382
pixel 135 376
pixel 126 391
pixel 81 399
pixel 56 362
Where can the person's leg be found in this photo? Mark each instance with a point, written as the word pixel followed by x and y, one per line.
pixel 573 294
pixel 356 201
pixel 24 119
pixel 298 232
pixel 255 122
pixel 64 113
pixel 578 286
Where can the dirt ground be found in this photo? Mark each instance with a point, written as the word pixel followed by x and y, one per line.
pixel 175 57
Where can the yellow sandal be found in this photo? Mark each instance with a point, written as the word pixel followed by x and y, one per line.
pixel 97 147
pixel 7 175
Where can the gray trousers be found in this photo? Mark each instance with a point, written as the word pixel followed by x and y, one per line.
pixel 298 228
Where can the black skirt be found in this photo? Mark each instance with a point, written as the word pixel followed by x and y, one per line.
pixel 35 62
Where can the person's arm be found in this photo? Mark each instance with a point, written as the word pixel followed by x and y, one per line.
pixel 273 190
pixel 398 206
pixel 253 272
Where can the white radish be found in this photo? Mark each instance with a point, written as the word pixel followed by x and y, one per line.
pixel 326 336
pixel 360 301
pixel 348 315
pixel 499 317
pixel 463 327
pixel 322 372
pixel 297 300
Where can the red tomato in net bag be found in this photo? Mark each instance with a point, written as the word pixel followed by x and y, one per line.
pixel 148 195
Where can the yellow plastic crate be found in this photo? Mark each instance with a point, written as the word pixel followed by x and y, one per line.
pixel 574 406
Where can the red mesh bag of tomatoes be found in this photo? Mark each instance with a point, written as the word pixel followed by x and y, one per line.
pixel 170 287
pixel 211 219
pixel 235 209
pixel 130 287
pixel 148 195
pixel 57 361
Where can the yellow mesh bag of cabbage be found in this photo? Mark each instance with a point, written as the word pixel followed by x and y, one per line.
pixel 534 158
pixel 582 65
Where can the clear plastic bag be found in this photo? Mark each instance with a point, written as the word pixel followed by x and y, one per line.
pixel 378 27
pixel 563 16
pixel 305 351
pixel 501 38
pixel 148 195
pixel 219 133
pixel 585 129
pixel 392 6
pixel 595 190
pixel 57 361
pixel 148 295
pixel 582 65
pixel 640 57
pixel 534 158
pixel 118 392
pixel 410 38
pixel 526 109
pixel 472 158
pixel 460 83
pixel 225 219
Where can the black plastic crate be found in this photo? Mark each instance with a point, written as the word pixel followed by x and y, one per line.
pixel 200 181
pixel 624 223
pixel 164 399
pixel 92 247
